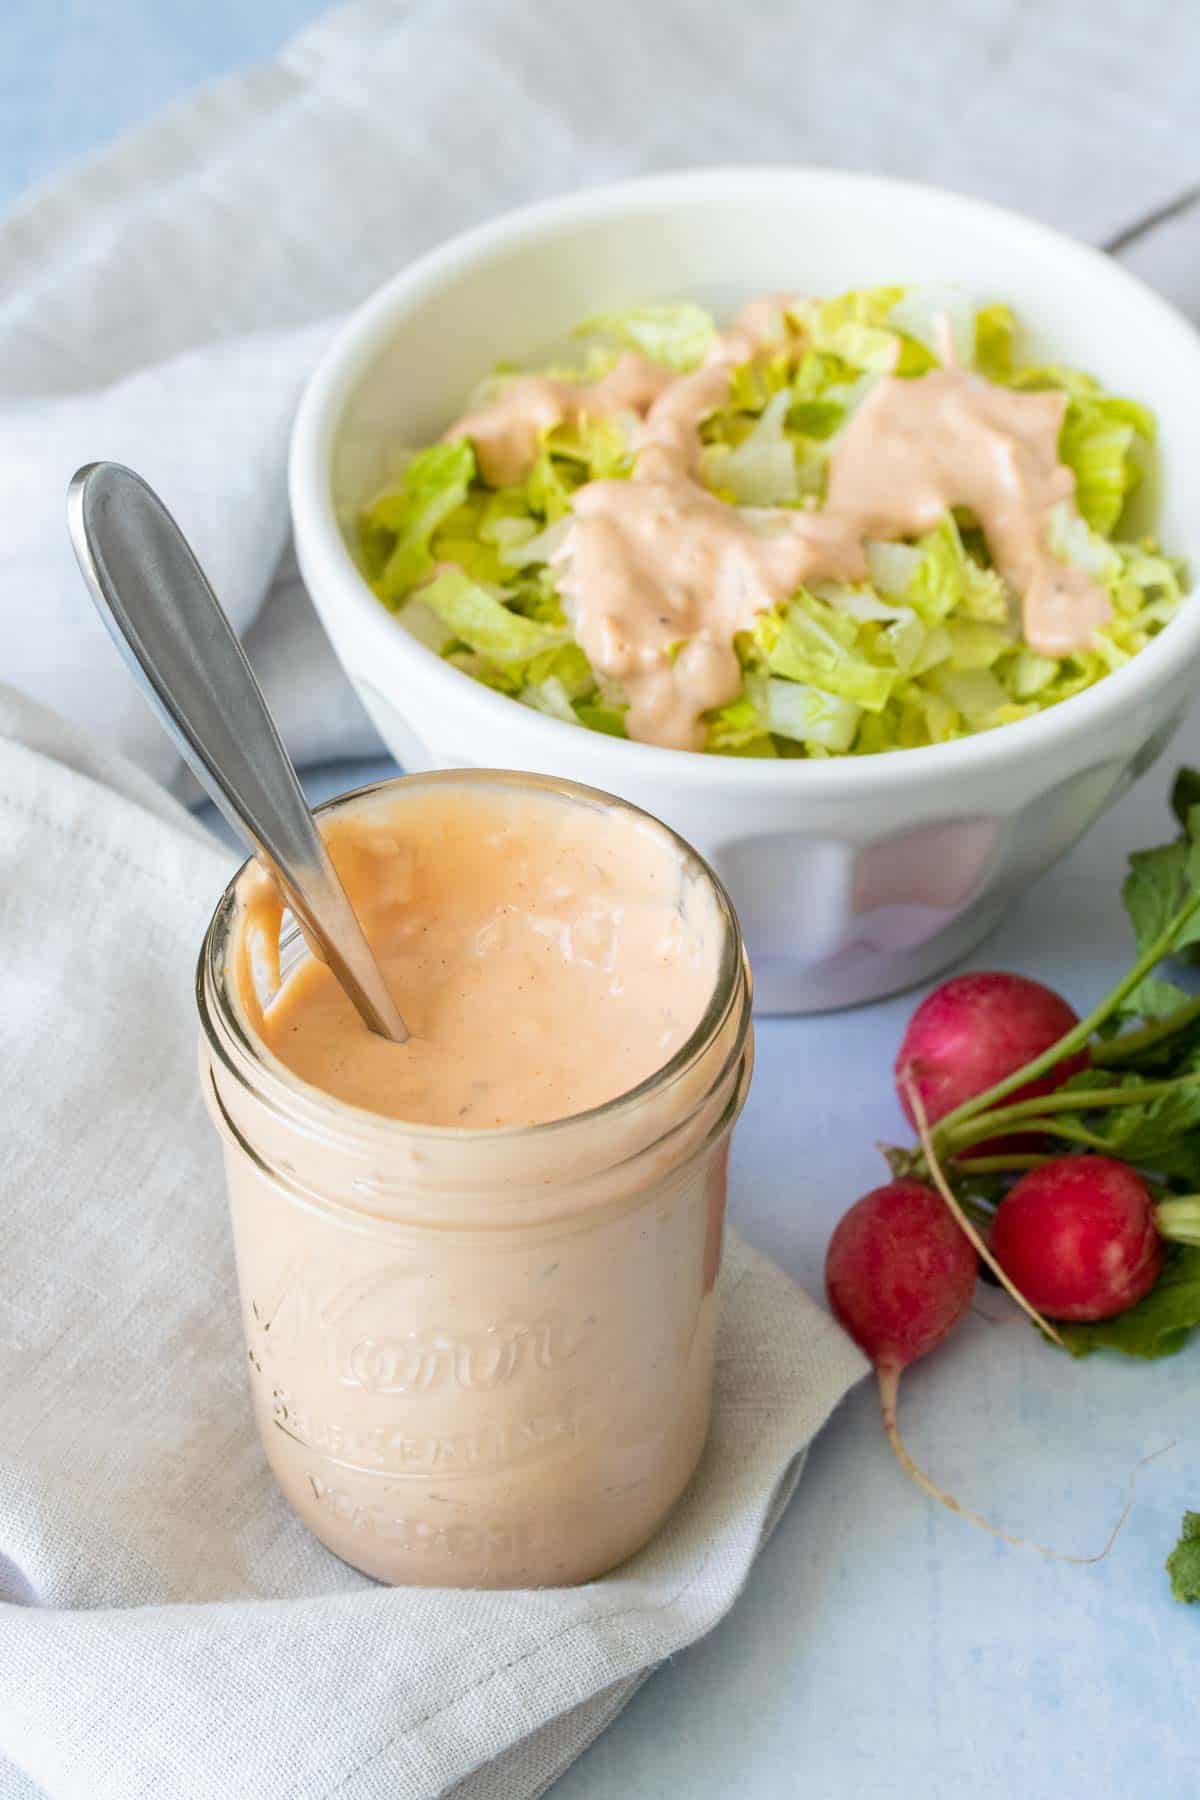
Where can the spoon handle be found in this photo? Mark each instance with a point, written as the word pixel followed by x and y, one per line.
pixel 168 625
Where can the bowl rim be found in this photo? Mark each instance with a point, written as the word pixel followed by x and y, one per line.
pixel 379 320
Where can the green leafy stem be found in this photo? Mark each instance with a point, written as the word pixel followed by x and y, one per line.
pixel 1136 1097
pixel 1074 1041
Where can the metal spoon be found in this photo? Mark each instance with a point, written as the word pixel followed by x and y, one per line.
pixel 168 625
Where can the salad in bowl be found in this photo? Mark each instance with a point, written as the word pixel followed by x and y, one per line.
pixel 849 583
pixel 841 526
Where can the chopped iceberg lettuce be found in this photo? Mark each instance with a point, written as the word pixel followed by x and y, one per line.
pixel 428 629
pixel 993 347
pixel 533 546
pixel 396 530
pixel 568 667
pixel 678 335
pixel 1073 540
pixel 480 620
pixel 975 693
pixel 1030 674
pixel 550 697
pixel 810 648
pixel 1100 445
pixel 926 649
pixel 892 566
pixel 810 715
pixel 941 318
pixel 761 470
pixel 946 580
pixel 599 715
pixel 858 328
pixel 738 728
pixel 1103 440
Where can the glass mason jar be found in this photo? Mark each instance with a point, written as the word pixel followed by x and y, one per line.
pixel 478 1358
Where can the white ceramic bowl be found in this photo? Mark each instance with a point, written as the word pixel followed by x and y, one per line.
pixel 853 877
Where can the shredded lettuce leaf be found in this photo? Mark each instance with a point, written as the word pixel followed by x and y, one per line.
pixel 994 332
pixel 923 313
pixel 1103 440
pixel 397 528
pixel 811 715
pixel 811 649
pixel 678 335
pixel 1099 446
pixel 598 715
pixel 550 697
pixel 947 580
pixel 858 328
pixel 761 470
pixel 480 620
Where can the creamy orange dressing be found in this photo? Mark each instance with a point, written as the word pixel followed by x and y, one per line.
pixel 950 438
pixel 652 564
pixel 659 575
pixel 547 955
pixel 507 434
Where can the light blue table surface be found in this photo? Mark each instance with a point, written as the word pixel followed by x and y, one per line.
pixel 883 1649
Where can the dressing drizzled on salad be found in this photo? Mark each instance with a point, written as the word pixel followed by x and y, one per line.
pixel 738 511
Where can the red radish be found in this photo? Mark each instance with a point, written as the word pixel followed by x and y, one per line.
pixel 974 1030
pixel 1077 1236
pixel 899 1273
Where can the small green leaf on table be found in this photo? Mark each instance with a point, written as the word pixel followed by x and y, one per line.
pixel 1183 1564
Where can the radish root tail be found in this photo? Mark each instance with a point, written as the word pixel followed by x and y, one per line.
pixel 944 1189
pixel 889 1384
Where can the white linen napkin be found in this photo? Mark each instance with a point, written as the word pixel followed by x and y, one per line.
pixel 167 1627
pixel 163 304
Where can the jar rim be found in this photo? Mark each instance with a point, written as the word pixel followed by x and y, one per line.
pixel 230 1038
